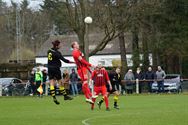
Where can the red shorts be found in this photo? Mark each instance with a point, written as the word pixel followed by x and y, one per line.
pixel 100 89
pixel 83 73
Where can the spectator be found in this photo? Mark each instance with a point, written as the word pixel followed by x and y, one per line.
pixel 118 80
pixel 66 80
pixel 115 78
pixel 140 76
pixel 79 85
pixel 74 81
pixel 38 80
pixel 44 73
pixel 129 76
pixel 149 77
pixel 32 83
pixel 160 75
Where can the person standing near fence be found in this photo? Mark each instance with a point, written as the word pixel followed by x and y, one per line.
pixel 129 77
pixel 74 81
pixel 160 76
pixel 44 72
pixel 139 75
pixel 38 80
pixel 66 79
pixel 32 83
pixel 149 77
pixel 117 78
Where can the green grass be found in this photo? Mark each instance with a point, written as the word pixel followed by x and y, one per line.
pixel 135 110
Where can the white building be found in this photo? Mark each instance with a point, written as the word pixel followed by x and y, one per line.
pixel 110 53
pixel 106 60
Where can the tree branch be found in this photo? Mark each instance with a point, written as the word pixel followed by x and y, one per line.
pixel 112 35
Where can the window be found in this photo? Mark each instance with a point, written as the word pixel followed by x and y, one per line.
pixel 102 62
pixel 17 81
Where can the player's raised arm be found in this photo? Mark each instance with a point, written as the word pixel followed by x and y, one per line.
pixel 77 55
pixel 61 57
pixel 84 61
pixel 93 75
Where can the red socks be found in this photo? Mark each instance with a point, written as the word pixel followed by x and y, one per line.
pixel 86 90
pixel 106 101
pixel 92 105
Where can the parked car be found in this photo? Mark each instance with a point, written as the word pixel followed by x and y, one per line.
pixel 172 83
pixel 12 86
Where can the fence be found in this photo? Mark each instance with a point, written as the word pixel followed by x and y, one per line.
pixel 183 82
pixel 136 83
pixel 15 70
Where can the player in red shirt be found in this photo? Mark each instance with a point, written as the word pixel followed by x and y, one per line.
pixel 100 78
pixel 82 67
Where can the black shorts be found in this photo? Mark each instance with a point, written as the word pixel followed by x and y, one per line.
pixel 54 73
pixel 113 89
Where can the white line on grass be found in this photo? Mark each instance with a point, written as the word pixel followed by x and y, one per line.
pixel 85 121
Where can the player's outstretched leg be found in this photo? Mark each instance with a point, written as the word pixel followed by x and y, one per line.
pixel 87 93
pixel 52 92
pixel 64 93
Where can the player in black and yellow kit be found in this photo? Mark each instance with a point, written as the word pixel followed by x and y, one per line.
pixel 54 64
pixel 115 79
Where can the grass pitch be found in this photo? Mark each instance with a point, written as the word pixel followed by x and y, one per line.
pixel 134 110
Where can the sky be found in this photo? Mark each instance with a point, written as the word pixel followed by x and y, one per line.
pixel 34 4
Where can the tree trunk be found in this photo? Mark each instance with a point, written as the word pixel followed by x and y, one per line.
pixel 145 51
pixel 136 53
pixel 81 41
pixel 123 54
pixel 180 64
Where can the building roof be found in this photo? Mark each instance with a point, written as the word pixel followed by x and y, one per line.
pixel 111 48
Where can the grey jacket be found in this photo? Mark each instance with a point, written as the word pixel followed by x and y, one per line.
pixel 160 75
pixel 129 76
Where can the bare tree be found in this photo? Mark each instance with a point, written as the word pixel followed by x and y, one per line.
pixel 34 30
pixel 74 13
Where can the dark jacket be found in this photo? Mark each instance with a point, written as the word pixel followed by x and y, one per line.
pixel 150 75
pixel 73 77
pixel 44 76
pixel 139 76
pixel 115 78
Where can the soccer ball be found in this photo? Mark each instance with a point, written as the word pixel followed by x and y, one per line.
pixel 88 20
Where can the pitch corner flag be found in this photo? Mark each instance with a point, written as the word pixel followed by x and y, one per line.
pixel 40 90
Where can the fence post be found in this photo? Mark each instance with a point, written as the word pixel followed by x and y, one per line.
pixel 46 89
pixel 137 86
pixel 92 88
pixel 1 87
